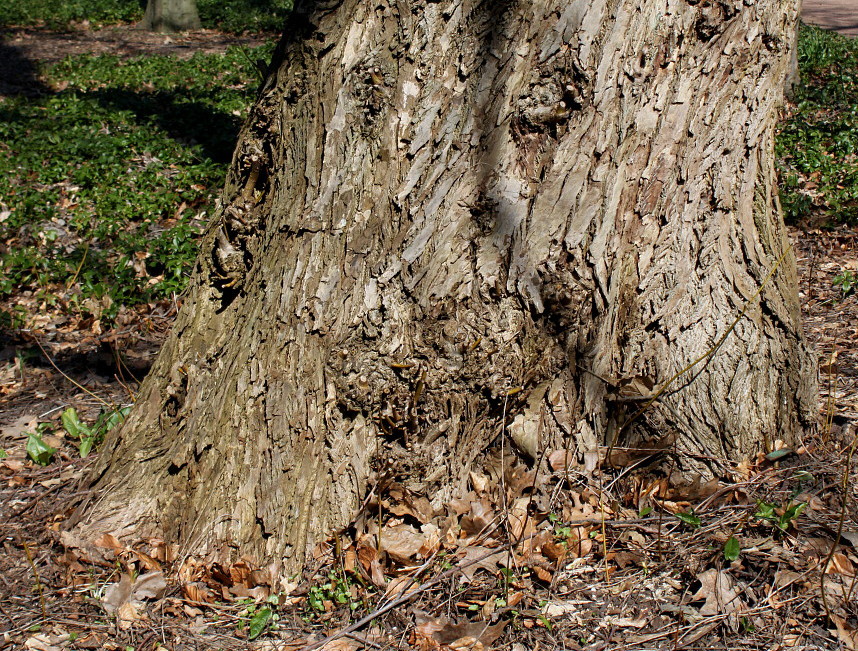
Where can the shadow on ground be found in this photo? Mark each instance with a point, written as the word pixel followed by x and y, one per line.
pixel 18 75
pixel 181 116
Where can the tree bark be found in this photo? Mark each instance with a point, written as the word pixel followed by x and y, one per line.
pixel 171 16
pixel 447 218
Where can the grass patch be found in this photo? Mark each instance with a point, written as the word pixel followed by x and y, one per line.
pixel 817 143
pixel 106 184
pixel 62 14
pixel 232 16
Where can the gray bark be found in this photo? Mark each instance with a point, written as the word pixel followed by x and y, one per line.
pixel 433 205
pixel 171 16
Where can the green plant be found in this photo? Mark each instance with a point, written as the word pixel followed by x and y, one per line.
pixel 233 16
pixel 114 176
pixel 780 517
pixel 845 281
pixel 92 436
pixel 258 618
pixel 39 451
pixel 817 140
pixel 336 590
pixel 732 549
pixel 689 519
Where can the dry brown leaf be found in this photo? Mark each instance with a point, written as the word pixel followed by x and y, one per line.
pixel 719 594
pixel 240 572
pixel 554 551
pixel 464 634
pixel 561 460
pixel 149 586
pixel 366 554
pixel 86 550
pixel 117 594
pixel 147 561
pixel 481 558
pixel 542 574
pixel 840 564
pixel 42 642
pixel 478 481
pixel 197 592
pixel 521 523
pixel 343 644
pixel 350 560
pixel 479 518
pixel 402 542
pixel 399 586
pixel 376 574
pixel 128 613
pixel 432 541
pixel 847 633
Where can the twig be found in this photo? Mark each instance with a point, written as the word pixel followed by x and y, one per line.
pixel 39 585
pixel 844 487
pixel 79 386
pixel 29 505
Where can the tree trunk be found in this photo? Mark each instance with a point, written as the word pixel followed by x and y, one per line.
pixel 171 16
pixel 446 216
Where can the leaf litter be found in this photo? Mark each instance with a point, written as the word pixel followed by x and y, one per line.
pixel 547 557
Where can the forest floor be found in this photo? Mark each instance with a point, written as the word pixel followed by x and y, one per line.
pixel 629 558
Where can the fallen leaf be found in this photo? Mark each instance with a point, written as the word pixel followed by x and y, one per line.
pixel 399 586
pixel 41 643
pixel 719 594
pixel 197 592
pixel 554 609
pixel 117 594
pixel 840 564
pixel 402 542
pixel 847 633
pixel 522 525
pixel 149 586
pixel 479 518
pixel 128 613
pixel 481 558
pixel 342 644
pixel 561 460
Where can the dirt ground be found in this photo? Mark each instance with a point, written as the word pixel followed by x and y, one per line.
pixel 838 15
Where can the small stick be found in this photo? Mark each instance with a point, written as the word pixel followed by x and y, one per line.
pixel 39 585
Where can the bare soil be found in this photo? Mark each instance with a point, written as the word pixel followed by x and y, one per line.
pixel 838 15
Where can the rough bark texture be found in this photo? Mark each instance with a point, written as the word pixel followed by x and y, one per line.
pixel 435 203
pixel 171 16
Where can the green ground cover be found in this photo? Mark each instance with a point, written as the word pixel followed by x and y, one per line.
pixel 229 15
pixel 817 144
pixel 106 183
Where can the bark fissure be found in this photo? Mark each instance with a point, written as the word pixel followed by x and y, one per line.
pixel 440 215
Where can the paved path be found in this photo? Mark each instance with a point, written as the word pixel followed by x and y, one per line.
pixel 839 15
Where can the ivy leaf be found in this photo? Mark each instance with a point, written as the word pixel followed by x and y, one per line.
pixel 72 424
pixel 258 623
pixel 115 418
pixel 3 454
pixel 39 451
pixel 732 549
pixel 85 446
pixel 689 518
